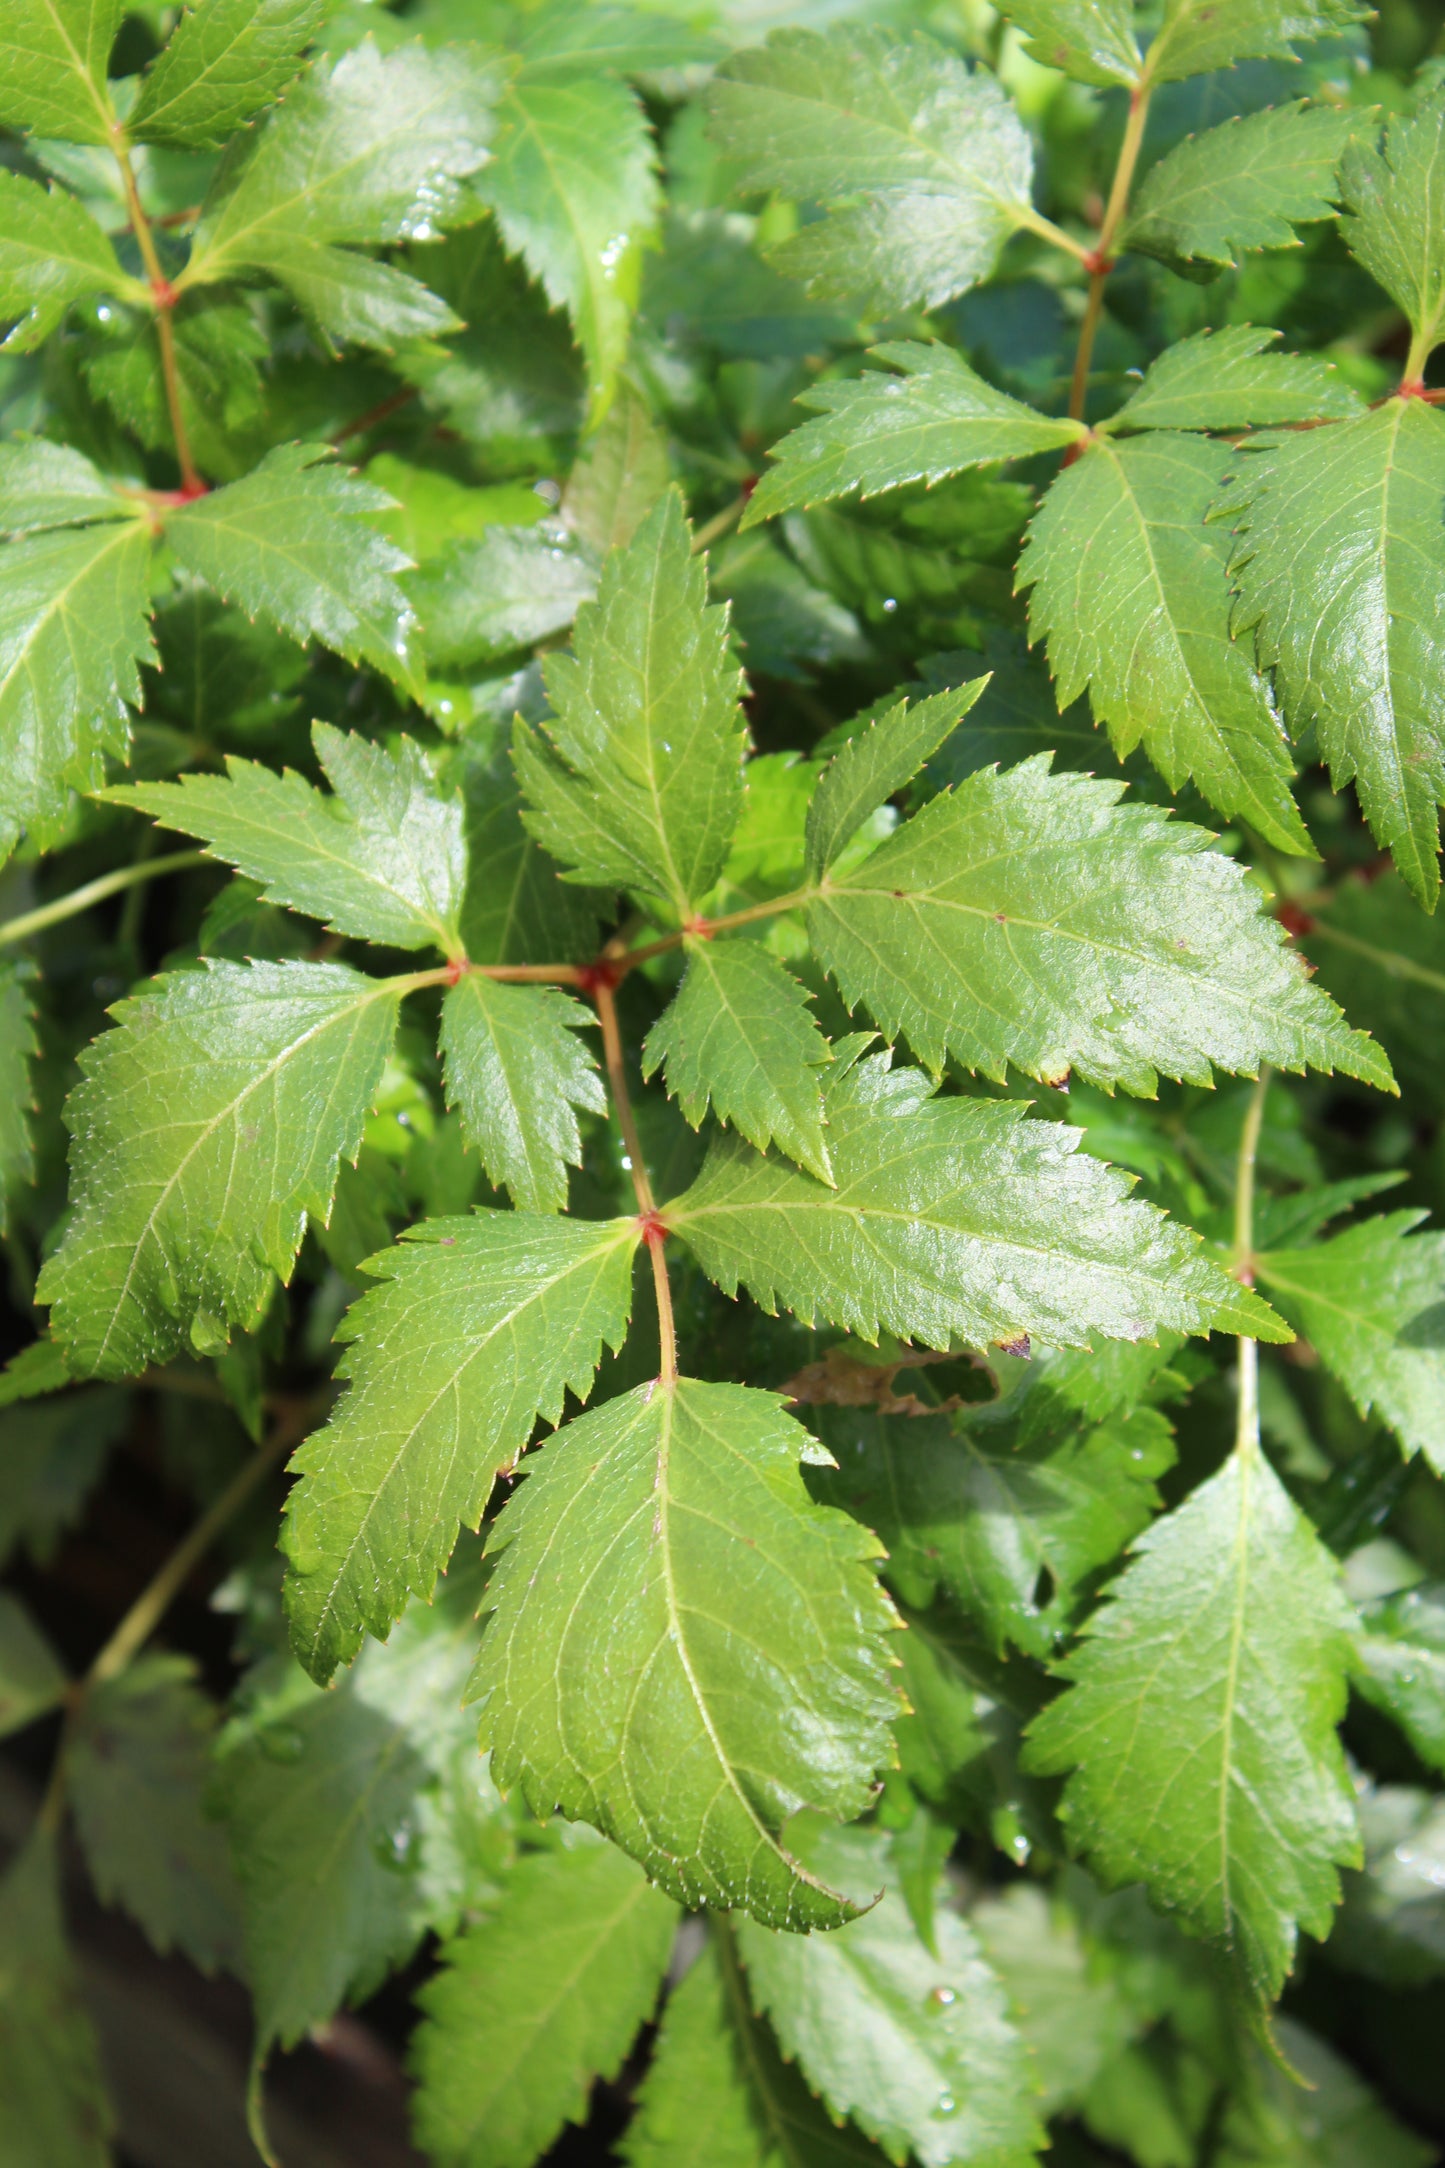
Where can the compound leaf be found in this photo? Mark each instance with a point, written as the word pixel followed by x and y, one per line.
pixel 877 431
pixel 1195 39
pixel 1339 577
pixel 641 786
pixel 536 2002
pixel 56 2111
pixel 32 1677
pixel 207 1126
pixel 1245 185
pixel 1371 1302
pixel 383 859
pixel 52 252
pixel 683 1649
pixel 53 56
pixel 225 60
pixel 1029 918
pixel 1394 223
pixel 1225 380
pixel 1200 1724
pixel 516 1070
pixel 951 1219
pixel 480 1326
pixel 875 765
pixel 1131 593
pixel 738 1036
pixel 923 165
pixel 1091 40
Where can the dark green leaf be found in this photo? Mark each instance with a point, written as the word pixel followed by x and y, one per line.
pixel 32 1678
pixel 56 2112
pixel 1401 1665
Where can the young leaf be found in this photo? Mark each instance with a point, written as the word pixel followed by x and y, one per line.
pixel 481 1326
pixel 225 60
pixel 384 859
pixel 1200 1725
pixel 644 787
pixel 1340 580
pixel 32 1677
pixel 1245 185
pixel 1225 380
pixel 1131 593
pixel 914 2044
pixel 1001 1227
pixel 1394 224
pixel 575 196
pixel 515 1070
pixel 52 252
pixel 18 1047
pixel 207 1125
pixel 292 543
pixel 739 1035
pixel 923 165
pixel 56 2111
pixel 1371 1302
pixel 875 765
pixel 1029 918
pixel 1091 40
pixel 535 2003
pixel 136 1767
pixel 53 56
pixel 933 419
pixel 1400 1665
pixel 735 1666
pixel 1194 40
pixel 717 2093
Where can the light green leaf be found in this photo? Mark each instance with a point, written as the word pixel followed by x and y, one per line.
pixel 53 56
pixel 1200 1727
pixel 618 476
pixel 505 589
pixel 51 253
pixel 875 765
pixel 1196 38
pixel 384 859
pixel 32 1677
pixel 515 1070
pixel 1073 2014
pixel 1131 593
pixel 1394 223
pixel 1091 40
pixel 1245 185
pixel 52 485
pixel 135 1771
pixel 481 1326
pixel 1225 380
pixel 915 2045
pixel 923 164
pixel 289 544
pixel 1339 577
pixel 575 195
pixel 933 419
pixel 18 1047
pixel 739 1036
pixel 1371 1302
pixel 535 2003
pixel 683 1649
pixel 1400 1651
pixel 225 60
pixel 207 1127
pixel 352 298
pixel 1029 918
pixel 56 2111
pixel 641 786
pixel 952 1219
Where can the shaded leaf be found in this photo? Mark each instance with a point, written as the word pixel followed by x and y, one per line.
pixel 516 1070
pixel 1401 1665
pixel 32 1678
pixel 18 1047
pixel 56 2111
pixel 505 589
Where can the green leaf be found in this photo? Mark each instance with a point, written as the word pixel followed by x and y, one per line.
pixel 56 2111
pixel 73 611
pixel 1308 2106
pixel 1091 40
pixel 923 165
pixel 1400 1651
pixel 1245 185
pixel 384 859
pixel 32 1678
pixel 225 60
pixel 1339 577
pixel 293 543
pixel 1195 39
pixel 1225 380
pixel 353 298
pixel 515 1070
pixel 18 1047
pixel 52 252
pixel 952 1219
pixel 534 2004
pixel 52 485
pixel 1131 592
pixel 53 56
pixel 717 2094
pixel 641 786
pixel 915 2045
pixel 1371 1302
pixel 218 347
pixel 738 1036
pixel 505 589
pixel 993 927
pixel 135 1770
pixel 1384 961
pixel 618 476
pixel 52 1453
pixel 1394 224
pixel 481 1325
pixel 1200 1727
pixel 207 1127
pixel 934 418
pixel 575 196
pixel 683 1649
pixel 1073 2015
pixel 519 909
pixel 875 766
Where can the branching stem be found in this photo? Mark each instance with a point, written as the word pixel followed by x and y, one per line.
pixel 163 296
pixel 602 990
pixel 81 899
pixel 1101 257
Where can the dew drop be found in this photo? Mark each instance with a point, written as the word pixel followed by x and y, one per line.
pixel 947 2105
pixel 943 1998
